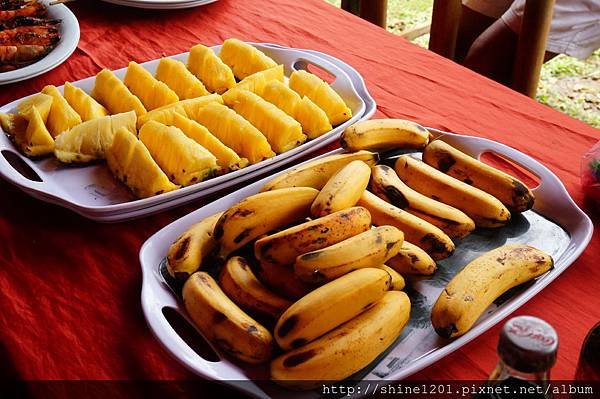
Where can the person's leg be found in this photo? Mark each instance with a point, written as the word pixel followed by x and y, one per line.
pixel 472 24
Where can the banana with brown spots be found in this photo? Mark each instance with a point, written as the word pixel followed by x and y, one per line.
pixel 384 134
pixel 412 260
pixel 398 282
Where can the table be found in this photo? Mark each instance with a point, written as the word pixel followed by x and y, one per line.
pixel 70 288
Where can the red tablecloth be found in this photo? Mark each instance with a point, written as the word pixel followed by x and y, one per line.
pixel 70 288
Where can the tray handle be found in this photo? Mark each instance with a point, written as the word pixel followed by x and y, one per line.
pixel 10 173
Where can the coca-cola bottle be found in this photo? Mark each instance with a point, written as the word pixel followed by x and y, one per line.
pixel 588 368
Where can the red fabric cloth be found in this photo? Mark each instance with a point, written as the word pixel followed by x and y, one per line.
pixel 70 288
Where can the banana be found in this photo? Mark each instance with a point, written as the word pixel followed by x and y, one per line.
pixel 259 214
pixel 369 249
pixel 384 134
pixel 239 283
pixel 428 237
pixel 412 260
pixel 342 190
pixel 485 209
pixel 386 184
pixel 284 247
pixel 483 280
pixel 347 349
pixel 330 305
pixel 398 282
pixel 316 173
pixel 223 323
pixel 185 255
pixel 283 280
pixel 508 189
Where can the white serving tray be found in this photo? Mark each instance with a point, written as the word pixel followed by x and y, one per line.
pixel 91 190
pixel 555 225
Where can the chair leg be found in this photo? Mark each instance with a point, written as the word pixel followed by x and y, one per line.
pixel 374 11
pixel 444 27
pixel 531 47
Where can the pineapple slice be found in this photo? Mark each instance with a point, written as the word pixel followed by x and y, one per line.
pixel 179 79
pixel 130 161
pixel 313 87
pixel 235 132
pixel 41 101
pixel 152 92
pixel 90 140
pixel 244 59
pixel 226 157
pixel 181 158
pixel 216 76
pixel 35 140
pixel 280 129
pixel 61 117
pixel 313 119
pixel 83 104
pixel 188 108
pixel 257 81
pixel 114 95
pixel 13 123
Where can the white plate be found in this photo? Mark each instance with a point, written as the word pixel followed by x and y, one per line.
pixel 92 192
pixel 161 4
pixel 556 225
pixel 69 37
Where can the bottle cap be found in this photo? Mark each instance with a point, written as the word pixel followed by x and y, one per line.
pixel 528 344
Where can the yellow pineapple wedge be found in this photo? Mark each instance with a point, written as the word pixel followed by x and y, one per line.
pixel 13 123
pixel 226 157
pixel 235 132
pixel 281 130
pixel 90 140
pixel 130 161
pixel 313 87
pixel 257 81
pixel 175 75
pixel 83 103
pixel 214 73
pixel 41 101
pixel 187 108
pixel 114 95
pixel 35 140
pixel 313 119
pixel 152 92
pixel 244 59
pixel 61 117
pixel 181 158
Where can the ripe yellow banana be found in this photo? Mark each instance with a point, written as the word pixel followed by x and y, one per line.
pixel 412 260
pixel 283 280
pixel 187 252
pixel 259 214
pixel 284 247
pixel 241 285
pixel 330 305
pixel 398 282
pixel 342 190
pixel 347 349
pixel 316 173
pixel 485 209
pixel 386 184
pixel 483 280
pixel 384 134
pixel 508 189
pixel 423 234
pixel 369 249
pixel 223 323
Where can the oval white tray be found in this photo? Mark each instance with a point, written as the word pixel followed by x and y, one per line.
pixel 91 191
pixel 555 225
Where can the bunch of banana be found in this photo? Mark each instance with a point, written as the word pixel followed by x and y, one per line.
pixel 369 249
pixel 223 323
pixel 508 189
pixel 282 248
pixel 412 260
pixel 187 252
pixel 483 280
pixel 416 230
pixel 260 214
pixel 483 208
pixel 239 283
pixel 316 173
pixel 398 282
pixel 384 134
pixel 346 349
pixel 386 184
pixel 342 190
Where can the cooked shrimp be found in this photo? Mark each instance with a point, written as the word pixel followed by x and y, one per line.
pixel 28 21
pixel 32 9
pixel 34 35
pixel 22 54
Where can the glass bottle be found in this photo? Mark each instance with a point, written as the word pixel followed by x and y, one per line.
pixel 588 368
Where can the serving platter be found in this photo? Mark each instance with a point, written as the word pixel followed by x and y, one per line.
pixel 69 38
pixel 555 225
pixel 94 193
pixel 161 4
